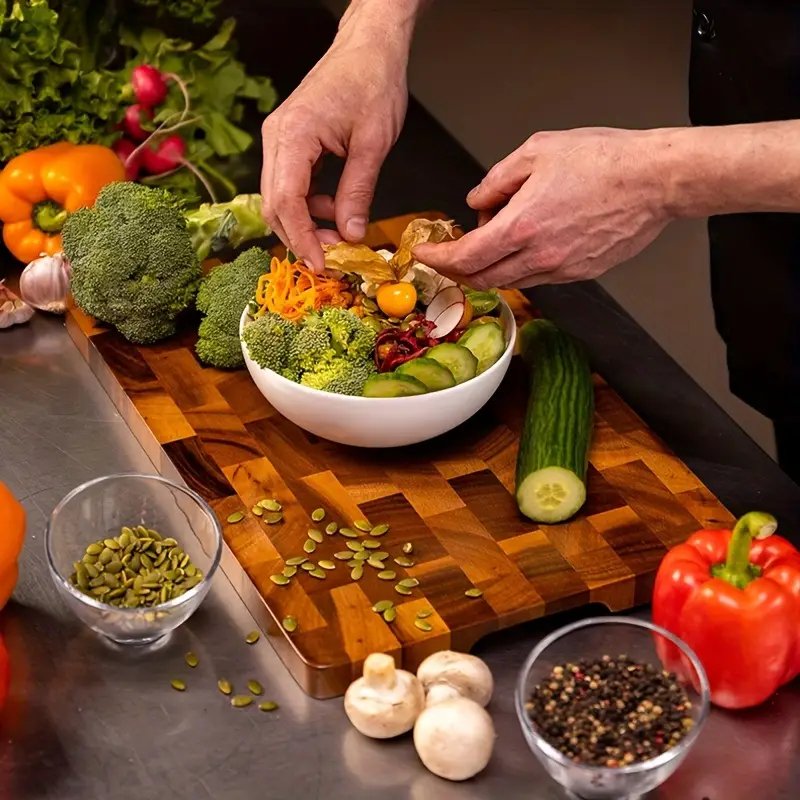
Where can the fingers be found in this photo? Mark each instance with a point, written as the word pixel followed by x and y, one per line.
pixel 473 252
pixel 267 171
pixel 501 183
pixel 321 206
pixel 357 184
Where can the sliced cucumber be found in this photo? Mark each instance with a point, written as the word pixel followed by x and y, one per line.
pixel 486 343
pixel 551 494
pixel 482 302
pixel 460 361
pixel 390 384
pixel 434 375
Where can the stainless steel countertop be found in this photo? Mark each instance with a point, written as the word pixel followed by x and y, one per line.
pixel 86 721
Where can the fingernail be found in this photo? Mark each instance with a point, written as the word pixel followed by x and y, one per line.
pixel 356 227
pixel 473 192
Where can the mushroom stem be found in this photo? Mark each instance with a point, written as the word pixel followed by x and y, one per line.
pixel 379 671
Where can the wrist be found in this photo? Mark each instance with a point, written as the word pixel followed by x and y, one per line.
pixel 380 21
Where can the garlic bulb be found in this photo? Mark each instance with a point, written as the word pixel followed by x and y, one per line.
pixel 44 283
pixel 13 311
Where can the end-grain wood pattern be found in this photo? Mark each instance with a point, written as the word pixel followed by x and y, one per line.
pixel 451 498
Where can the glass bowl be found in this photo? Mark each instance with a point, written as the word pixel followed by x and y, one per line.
pixel 591 639
pixel 100 508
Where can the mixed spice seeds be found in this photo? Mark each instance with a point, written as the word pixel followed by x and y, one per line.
pixel 610 712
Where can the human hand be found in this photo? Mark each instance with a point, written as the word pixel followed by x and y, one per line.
pixel 565 206
pixel 352 105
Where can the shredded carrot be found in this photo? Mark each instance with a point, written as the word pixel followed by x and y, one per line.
pixel 292 289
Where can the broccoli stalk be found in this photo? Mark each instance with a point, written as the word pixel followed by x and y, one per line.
pixel 214 226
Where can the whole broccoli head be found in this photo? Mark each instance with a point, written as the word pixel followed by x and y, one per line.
pixel 340 376
pixel 133 264
pixel 268 339
pixel 222 297
pixel 350 337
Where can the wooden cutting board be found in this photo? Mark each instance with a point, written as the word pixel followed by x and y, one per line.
pixel 451 498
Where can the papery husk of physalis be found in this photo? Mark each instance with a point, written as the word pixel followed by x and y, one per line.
pixel 361 260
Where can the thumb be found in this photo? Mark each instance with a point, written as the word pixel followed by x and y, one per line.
pixel 357 187
pixel 500 184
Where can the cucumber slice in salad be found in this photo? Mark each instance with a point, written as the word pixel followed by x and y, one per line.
pixel 486 342
pixel 392 384
pixel 434 375
pixel 459 360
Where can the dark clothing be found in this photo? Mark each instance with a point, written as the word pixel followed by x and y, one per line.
pixel 745 67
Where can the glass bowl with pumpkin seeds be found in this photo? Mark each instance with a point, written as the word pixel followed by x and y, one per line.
pixel 601 711
pixel 133 555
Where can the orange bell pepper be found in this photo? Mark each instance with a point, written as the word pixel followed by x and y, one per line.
pixel 40 188
pixel 12 534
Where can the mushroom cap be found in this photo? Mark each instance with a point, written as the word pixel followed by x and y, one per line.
pixel 446 673
pixel 454 738
pixel 385 703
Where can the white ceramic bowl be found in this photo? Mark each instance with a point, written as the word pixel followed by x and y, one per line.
pixel 381 421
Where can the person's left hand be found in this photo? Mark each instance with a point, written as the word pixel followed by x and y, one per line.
pixel 565 206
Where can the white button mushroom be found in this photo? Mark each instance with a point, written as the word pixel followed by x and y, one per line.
pixel 448 674
pixel 386 701
pixel 454 738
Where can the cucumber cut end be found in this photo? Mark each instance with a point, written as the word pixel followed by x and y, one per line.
pixel 551 494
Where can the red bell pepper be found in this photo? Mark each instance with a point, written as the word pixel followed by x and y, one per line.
pixel 736 603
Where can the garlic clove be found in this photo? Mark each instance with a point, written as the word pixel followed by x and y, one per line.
pixel 44 283
pixel 13 311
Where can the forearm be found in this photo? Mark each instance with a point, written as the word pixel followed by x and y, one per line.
pixel 731 169
pixel 393 19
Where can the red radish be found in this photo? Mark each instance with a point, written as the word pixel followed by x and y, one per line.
pixel 167 155
pixel 124 148
pixel 132 121
pixel 443 300
pixel 448 320
pixel 149 85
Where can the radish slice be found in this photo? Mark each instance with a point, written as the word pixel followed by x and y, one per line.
pixel 445 299
pixel 448 320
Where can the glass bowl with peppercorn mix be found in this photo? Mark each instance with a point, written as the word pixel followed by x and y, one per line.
pixel 133 555
pixel 602 715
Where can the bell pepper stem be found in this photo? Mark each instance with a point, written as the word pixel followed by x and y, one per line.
pixel 737 569
pixel 49 216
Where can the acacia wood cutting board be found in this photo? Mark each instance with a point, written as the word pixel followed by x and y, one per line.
pixel 452 498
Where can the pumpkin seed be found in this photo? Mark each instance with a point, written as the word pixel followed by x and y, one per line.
pixel 280 579
pixel 115 593
pixel 82 577
pixel 348 533
pixel 255 687
pixel 376 563
pixel 267 705
pixel 252 637
pixel 343 555
pixel 387 575
pixel 91 570
pixel 408 548
pixel 270 505
pixel 224 686
pixel 308 566
pixel 257 510
pixel 237 516
pixel 272 517
pixel 325 564
pixel 382 605
pixel 178 685
pixel 317 573
pixel 331 528
pixel 363 525
pixel 106 555
pixel 356 547
pixel 316 535
pixel 296 561
pixel 99 591
pixel 289 624
pixel 402 561
pixel 113 567
pixel 289 572
pixel 474 592
pixel 424 613
pixel 409 583
pixel 371 544
pixel 402 590
pixel 309 546
pixel 357 572
pixel 191 660
pixel 423 625
pixel 361 555
pixel 111 544
pixel 168 541
pixel 318 514
pixel 353 563
pixel 94 549
pixel 390 615
pixel 241 700
pixel 379 530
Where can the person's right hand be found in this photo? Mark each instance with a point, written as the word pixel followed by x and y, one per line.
pixel 352 104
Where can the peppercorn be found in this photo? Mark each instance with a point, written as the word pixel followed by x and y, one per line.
pixel 610 712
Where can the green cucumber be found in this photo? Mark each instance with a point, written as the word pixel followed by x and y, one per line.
pixel 554 444
pixel 390 384
pixel 482 302
pixel 460 361
pixel 434 375
pixel 486 342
